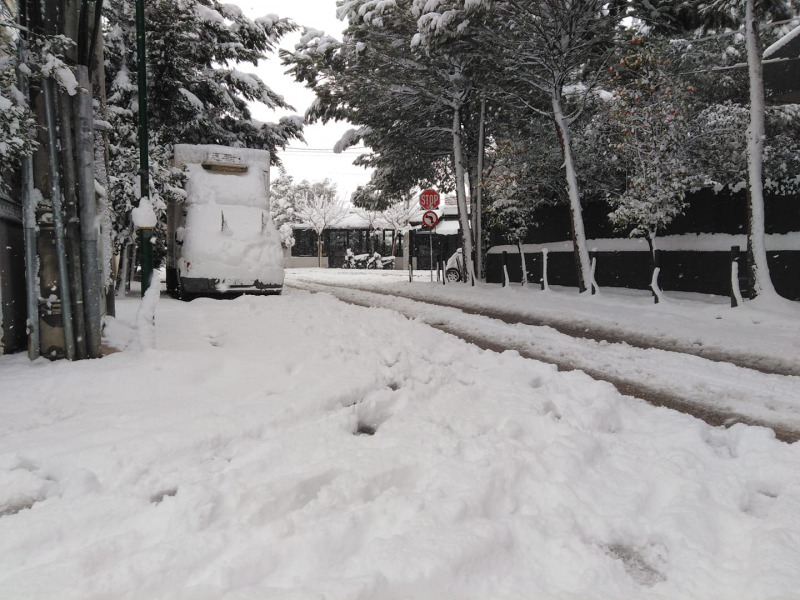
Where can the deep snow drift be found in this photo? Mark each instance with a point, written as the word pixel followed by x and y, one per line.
pixel 298 447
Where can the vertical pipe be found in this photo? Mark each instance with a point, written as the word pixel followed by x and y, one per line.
pixel 146 245
pixel 92 270
pixel 734 285
pixel 72 225
pixel 430 248
pixel 58 222
pixel 31 258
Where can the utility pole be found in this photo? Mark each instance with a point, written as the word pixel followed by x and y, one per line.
pixel 145 234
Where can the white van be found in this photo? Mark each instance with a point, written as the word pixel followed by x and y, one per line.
pixel 221 240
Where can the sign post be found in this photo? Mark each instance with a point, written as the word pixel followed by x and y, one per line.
pixel 429 221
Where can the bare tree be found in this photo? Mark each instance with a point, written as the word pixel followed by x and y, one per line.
pixel 399 216
pixel 321 212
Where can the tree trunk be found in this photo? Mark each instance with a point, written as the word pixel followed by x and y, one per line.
pixel 761 284
pixel 461 195
pixel 102 161
pixel 576 214
pixel 319 249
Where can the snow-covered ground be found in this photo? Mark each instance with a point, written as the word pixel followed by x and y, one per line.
pixel 299 447
pixel 764 334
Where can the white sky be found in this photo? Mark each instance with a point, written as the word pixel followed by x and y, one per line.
pixel 314 160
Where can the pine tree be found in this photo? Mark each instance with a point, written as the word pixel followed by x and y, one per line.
pixel 196 91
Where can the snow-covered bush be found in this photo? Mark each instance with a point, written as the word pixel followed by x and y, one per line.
pixel 43 57
pixel 17 138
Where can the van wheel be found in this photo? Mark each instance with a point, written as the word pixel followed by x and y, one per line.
pixel 453 275
pixel 172 282
pixel 182 294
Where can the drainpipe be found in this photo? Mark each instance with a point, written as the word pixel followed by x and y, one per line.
pixel 29 225
pixel 91 271
pixel 72 225
pixel 58 221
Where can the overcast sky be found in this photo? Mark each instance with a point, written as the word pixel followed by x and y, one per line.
pixel 314 160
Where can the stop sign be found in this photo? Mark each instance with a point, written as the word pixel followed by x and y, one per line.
pixel 429 199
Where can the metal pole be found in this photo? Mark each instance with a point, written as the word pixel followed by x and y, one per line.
pixel 91 271
pixel 29 225
pixel 734 275
pixel 430 247
pixel 144 162
pixel 72 224
pixel 146 245
pixel 479 194
pixel 58 222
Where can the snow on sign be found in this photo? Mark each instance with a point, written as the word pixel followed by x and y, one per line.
pixel 429 199
pixel 429 219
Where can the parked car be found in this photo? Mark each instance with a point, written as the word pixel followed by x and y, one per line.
pixel 455 267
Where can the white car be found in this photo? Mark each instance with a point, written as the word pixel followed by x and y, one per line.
pixel 454 266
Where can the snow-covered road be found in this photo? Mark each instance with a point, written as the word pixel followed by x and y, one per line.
pixel 300 447
pixel 694 383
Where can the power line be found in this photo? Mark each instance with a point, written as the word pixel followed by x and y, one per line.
pixel 323 150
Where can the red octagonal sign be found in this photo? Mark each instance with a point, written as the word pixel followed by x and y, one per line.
pixel 429 199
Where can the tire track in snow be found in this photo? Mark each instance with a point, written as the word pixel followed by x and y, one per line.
pixel 756 362
pixel 727 394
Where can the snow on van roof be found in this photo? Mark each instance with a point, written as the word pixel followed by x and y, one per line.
pixel 198 153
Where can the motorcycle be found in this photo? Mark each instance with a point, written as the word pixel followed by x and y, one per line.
pixel 355 261
pixel 376 261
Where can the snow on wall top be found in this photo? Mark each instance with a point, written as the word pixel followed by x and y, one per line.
pixel 794 34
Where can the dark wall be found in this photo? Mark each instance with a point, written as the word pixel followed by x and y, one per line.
pixel 706 212
pixel 703 272
pixel 12 280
